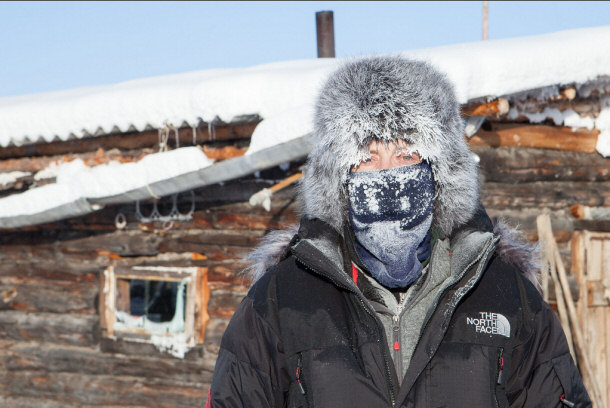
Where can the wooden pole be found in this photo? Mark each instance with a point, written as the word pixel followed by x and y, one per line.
pixel 544 223
pixel 325 31
pixel 485 19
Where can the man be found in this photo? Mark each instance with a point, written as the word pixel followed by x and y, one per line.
pixel 397 290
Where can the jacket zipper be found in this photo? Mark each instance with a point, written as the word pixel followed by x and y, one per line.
pixel 500 365
pixel 396 343
pixel 565 402
pixel 499 375
pixel 299 373
pixel 380 334
pixel 396 340
pixel 301 379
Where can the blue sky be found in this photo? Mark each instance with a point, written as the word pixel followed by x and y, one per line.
pixel 46 46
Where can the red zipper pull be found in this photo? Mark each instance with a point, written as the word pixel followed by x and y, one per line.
pixel 564 401
pixel 299 380
pixel 500 367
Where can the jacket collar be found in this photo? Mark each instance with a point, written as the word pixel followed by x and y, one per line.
pixel 324 250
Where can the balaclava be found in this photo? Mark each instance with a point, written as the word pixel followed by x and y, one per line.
pixel 390 212
pixel 388 99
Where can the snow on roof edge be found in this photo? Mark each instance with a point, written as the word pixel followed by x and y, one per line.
pixel 158 174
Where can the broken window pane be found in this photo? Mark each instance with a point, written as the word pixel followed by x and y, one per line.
pixel 150 305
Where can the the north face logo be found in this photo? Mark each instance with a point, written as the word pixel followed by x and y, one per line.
pixel 490 323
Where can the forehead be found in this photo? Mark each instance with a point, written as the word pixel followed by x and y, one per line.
pixel 378 145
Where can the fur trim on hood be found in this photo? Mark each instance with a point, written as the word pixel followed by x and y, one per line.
pixel 512 247
pixel 268 252
pixel 387 99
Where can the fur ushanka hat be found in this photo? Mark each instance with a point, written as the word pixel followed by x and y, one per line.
pixel 386 99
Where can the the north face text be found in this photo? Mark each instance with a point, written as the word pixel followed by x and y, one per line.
pixel 490 323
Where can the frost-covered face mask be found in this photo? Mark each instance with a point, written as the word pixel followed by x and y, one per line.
pixel 390 212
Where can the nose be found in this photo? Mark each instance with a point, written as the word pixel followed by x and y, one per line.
pixel 387 161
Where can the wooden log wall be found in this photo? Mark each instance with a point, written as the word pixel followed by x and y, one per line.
pixel 51 353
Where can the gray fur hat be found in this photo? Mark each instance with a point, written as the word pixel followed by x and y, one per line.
pixel 386 99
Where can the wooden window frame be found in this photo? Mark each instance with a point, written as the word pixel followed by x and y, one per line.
pixel 197 297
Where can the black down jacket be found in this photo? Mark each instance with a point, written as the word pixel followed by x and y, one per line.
pixel 305 336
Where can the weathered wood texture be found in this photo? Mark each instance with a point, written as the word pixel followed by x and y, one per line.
pixel 538 136
pixel 526 165
pixel 51 350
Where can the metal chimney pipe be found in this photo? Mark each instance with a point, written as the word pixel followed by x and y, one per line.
pixel 325 31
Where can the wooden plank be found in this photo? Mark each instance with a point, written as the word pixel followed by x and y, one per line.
pixel 202 301
pixel 594 260
pixel 223 302
pixel 212 252
pixel 592 225
pixel 50 358
pixel 103 390
pixel 553 195
pixel 74 329
pixel 223 153
pixel 605 260
pixel 496 107
pixel 123 299
pixel 606 357
pixel 50 297
pixel 149 274
pixel 30 402
pixel 601 353
pixel 37 270
pixel 579 273
pixel 597 294
pixel 214 332
pixel 243 238
pixel 525 164
pixel 549 247
pixel 227 219
pixel 106 301
pixel 540 136
pixel 123 243
pixel 226 272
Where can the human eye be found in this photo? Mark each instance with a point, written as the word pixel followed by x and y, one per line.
pixel 409 158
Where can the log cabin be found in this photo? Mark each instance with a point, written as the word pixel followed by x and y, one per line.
pixel 125 210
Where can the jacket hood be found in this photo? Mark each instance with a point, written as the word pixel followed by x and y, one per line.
pixel 387 99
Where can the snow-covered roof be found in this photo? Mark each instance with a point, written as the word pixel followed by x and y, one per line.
pixel 478 69
pixel 281 93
